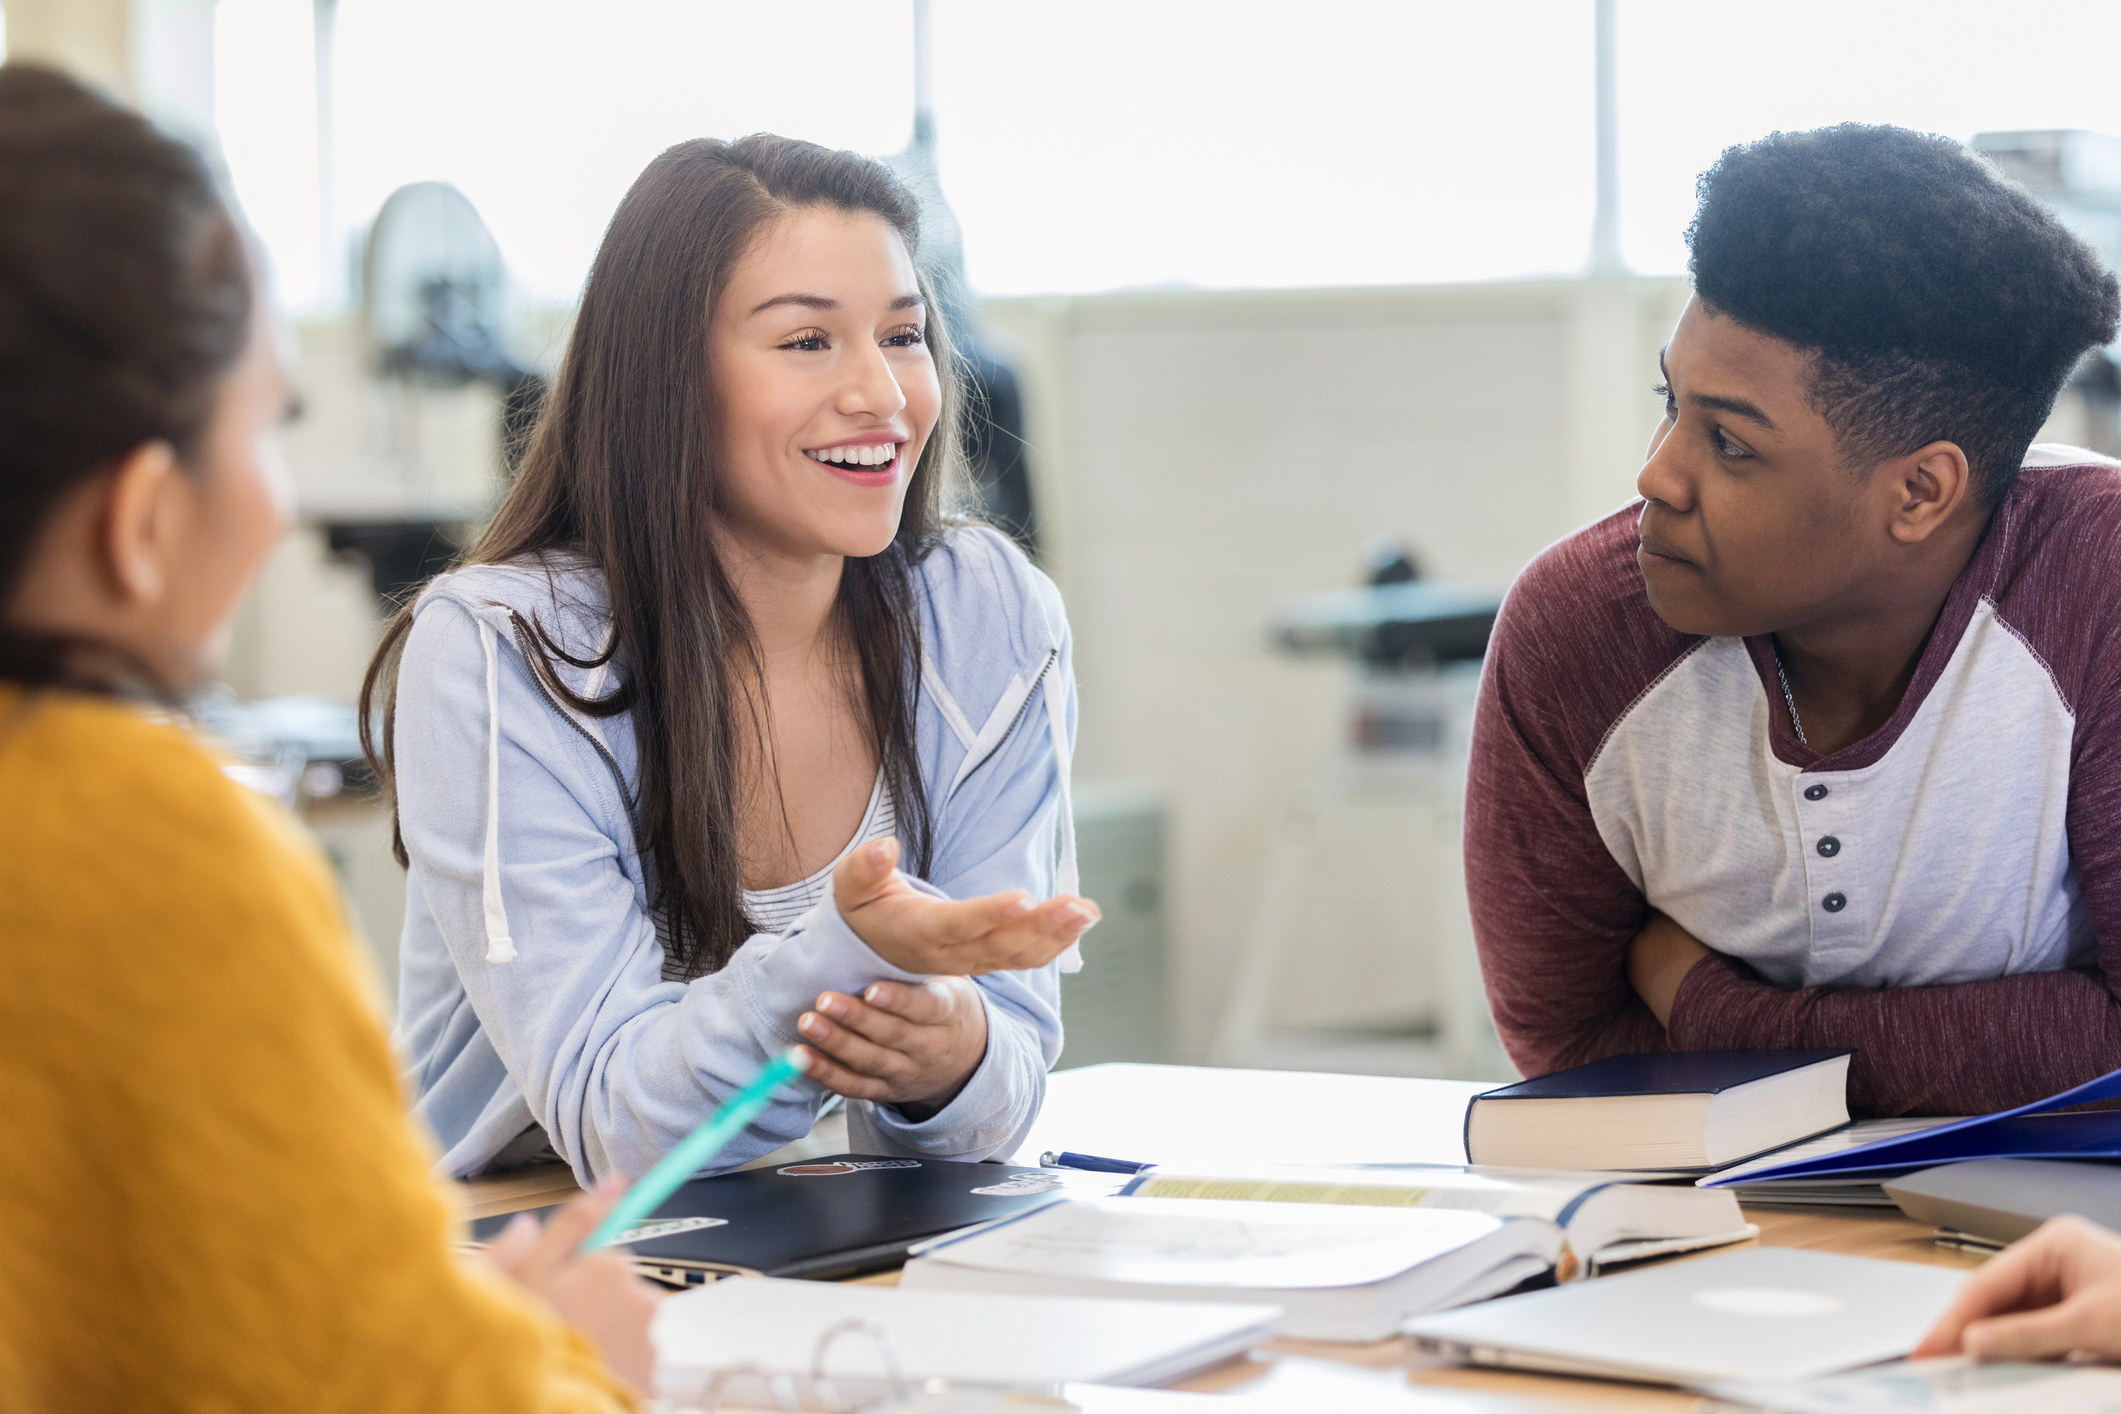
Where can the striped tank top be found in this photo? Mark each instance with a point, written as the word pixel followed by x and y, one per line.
pixel 772 910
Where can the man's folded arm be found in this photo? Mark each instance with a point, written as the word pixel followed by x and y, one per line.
pixel 1967 1048
pixel 1972 1047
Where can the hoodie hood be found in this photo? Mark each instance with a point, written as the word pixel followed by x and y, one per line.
pixel 565 598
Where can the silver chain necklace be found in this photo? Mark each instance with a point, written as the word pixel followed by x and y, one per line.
pixel 1789 699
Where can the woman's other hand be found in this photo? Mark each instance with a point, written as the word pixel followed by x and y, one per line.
pixel 1659 959
pixel 596 1293
pixel 2052 1294
pixel 914 1046
pixel 951 937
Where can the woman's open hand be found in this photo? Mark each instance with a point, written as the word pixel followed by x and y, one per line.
pixel 2052 1294
pixel 595 1292
pixel 951 937
pixel 914 1046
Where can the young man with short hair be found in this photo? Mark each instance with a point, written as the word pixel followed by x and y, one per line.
pixel 1819 743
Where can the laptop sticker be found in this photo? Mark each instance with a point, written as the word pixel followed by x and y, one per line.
pixel 666 1227
pixel 1018 1185
pixel 1767 1301
pixel 834 1170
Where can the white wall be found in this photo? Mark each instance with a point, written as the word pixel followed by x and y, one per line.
pixel 1203 456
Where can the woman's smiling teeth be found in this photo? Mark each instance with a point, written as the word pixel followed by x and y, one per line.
pixel 876 455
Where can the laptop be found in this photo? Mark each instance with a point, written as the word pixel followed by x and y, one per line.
pixel 1765 1313
pixel 825 1218
pixel 1995 1201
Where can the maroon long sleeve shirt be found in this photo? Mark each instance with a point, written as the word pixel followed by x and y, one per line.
pixel 1943 895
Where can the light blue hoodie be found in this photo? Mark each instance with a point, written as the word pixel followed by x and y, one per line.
pixel 532 989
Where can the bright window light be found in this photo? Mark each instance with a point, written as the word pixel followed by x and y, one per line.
pixel 1329 143
pixel 1696 78
pixel 544 111
pixel 265 106
pixel 1105 144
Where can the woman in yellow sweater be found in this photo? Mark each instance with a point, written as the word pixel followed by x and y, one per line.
pixel 210 1194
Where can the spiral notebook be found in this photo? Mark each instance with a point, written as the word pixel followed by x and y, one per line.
pixel 738 1340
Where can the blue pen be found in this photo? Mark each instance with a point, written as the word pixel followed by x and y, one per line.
pixel 1066 1160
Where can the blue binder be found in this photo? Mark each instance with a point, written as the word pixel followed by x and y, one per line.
pixel 2027 1132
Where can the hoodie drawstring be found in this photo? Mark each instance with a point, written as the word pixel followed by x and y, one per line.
pixel 1070 877
pixel 499 946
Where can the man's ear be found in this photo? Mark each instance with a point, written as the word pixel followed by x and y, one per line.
pixel 139 523
pixel 1929 484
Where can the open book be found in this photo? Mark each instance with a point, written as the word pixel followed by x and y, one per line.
pixel 1601 1222
pixel 1336 1272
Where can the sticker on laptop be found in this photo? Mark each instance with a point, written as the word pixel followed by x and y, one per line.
pixel 1019 1185
pixel 834 1170
pixel 666 1227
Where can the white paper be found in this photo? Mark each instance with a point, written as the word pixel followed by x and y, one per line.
pixel 1954 1386
pixel 1207 1118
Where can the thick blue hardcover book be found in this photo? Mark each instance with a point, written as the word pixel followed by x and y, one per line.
pixel 1669 1073
pixel 2027 1132
pixel 1653 1073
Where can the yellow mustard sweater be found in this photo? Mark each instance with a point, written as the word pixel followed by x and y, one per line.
pixel 211 1197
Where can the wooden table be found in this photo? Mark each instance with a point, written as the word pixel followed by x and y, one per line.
pixel 1317 1375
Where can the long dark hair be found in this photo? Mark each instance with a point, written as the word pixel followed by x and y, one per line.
pixel 620 472
pixel 125 299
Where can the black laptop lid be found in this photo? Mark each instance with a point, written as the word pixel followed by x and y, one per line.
pixel 825 1218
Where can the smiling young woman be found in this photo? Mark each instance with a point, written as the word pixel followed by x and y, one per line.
pixel 717 667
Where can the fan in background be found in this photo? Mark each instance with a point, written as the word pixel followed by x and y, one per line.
pixel 433 295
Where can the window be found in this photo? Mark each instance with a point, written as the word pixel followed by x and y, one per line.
pixel 1111 143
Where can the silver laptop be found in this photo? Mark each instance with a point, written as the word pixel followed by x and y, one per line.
pixel 2001 1200
pixel 1765 1313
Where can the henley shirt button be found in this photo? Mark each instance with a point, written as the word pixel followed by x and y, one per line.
pixel 1829 846
pixel 1815 792
pixel 1834 903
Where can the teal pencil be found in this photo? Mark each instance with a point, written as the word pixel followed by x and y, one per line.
pixel 694 1151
